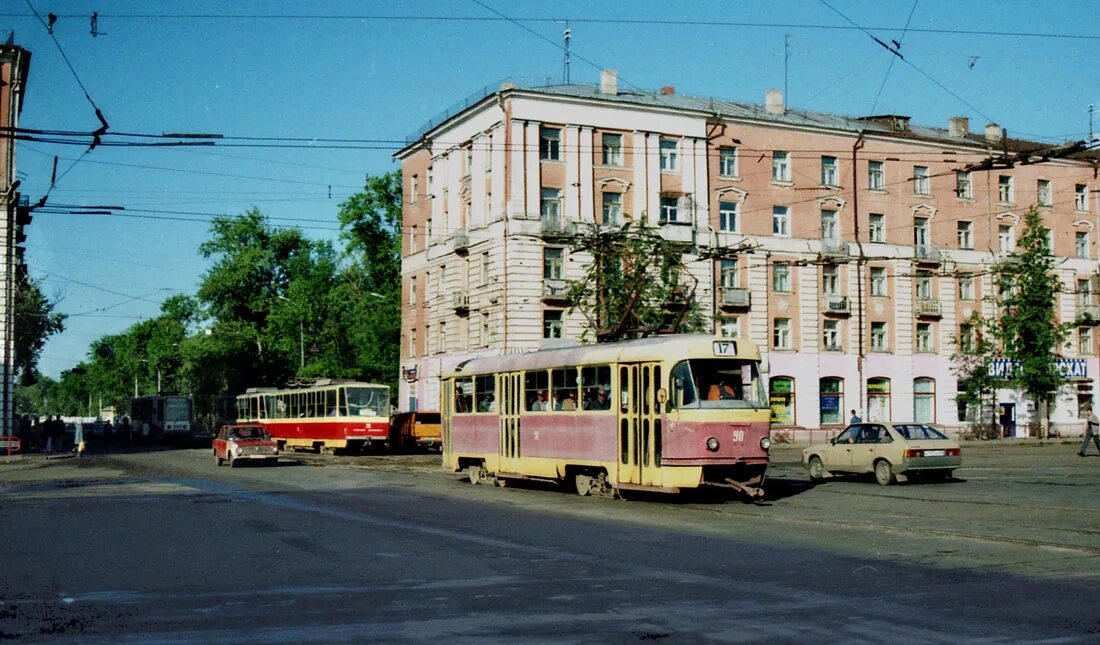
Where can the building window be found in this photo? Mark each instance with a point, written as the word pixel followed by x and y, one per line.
pixel 832 400
pixel 878 337
pixel 830 226
pixel 963 187
pixel 924 285
pixel 878 281
pixel 1084 341
pixel 878 399
pixel 468 157
pixel 728 216
pixel 551 324
pixel 412 343
pixel 727 161
pixel 781 277
pixel 728 273
pixel 442 337
pixel 484 268
pixel 1084 292
pixel 612 149
pixel 1081 244
pixel 1004 238
pixel 921 183
pixel 781 334
pixel 781 221
pixel 670 210
pixel 730 327
pixel 552 263
pixel 878 227
pixel 830 335
pixel 920 234
pixel 829 174
pixel 1005 193
pixel 876 176
pixel 1045 196
pixel 550 203
pixel 412 189
pixel 781 396
pixel 485 328
pixel 612 208
pixel 830 280
pixel 550 144
pixel 966 287
pixel 669 154
pixel 1081 197
pixel 412 290
pixel 924 338
pixel 924 400
pixel 781 166
pixel 1048 237
pixel 965 235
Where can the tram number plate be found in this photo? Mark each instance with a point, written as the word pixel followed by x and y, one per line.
pixel 738 436
pixel 725 348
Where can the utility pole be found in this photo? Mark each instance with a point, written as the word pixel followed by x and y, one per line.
pixel 786 58
pixel 301 343
pixel 567 34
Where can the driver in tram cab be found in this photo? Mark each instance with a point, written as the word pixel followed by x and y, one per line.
pixel 721 390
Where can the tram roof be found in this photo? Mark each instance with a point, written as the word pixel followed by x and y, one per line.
pixel 326 385
pixel 645 349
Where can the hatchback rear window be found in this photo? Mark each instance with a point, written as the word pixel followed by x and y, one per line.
pixel 919 431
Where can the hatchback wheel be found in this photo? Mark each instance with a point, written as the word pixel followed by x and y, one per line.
pixel 817 469
pixel 217 459
pixel 884 472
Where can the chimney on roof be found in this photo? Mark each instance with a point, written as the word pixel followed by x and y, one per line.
pixel 668 90
pixel 958 127
pixel 773 102
pixel 994 133
pixel 609 82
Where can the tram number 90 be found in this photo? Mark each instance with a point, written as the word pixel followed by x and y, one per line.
pixel 738 436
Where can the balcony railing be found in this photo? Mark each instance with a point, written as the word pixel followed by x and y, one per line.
pixel 834 246
pixel 837 305
pixel 734 297
pixel 926 253
pixel 928 307
pixel 1091 312
pixel 461 241
pixel 555 290
pixel 557 227
pixel 460 301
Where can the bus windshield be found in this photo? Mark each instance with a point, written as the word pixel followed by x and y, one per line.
pixel 177 409
pixel 368 402
pixel 719 383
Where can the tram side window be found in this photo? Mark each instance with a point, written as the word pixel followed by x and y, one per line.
pixel 330 403
pixel 342 402
pixel 281 407
pixel 464 395
pixel 535 390
pixel 596 386
pixel 565 389
pixel 486 393
pixel 683 386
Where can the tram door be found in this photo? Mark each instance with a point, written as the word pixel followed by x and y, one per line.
pixel 445 415
pixel 510 387
pixel 639 423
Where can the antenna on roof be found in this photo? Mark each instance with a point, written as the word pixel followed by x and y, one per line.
pixel 566 35
pixel 786 57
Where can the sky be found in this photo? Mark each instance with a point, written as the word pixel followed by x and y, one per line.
pixel 285 76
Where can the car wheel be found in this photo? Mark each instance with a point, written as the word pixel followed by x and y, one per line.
pixel 884 472
pixel 817 469
pixel 217 460
pixel 232 462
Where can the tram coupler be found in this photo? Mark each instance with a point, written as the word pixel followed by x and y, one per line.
pixel 751 492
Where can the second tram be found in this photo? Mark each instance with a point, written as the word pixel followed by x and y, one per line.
pixel 325 416
pixel 162 417
pixel 660 414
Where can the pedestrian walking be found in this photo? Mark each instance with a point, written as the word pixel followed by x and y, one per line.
pixel 855 418
pixel 1092 432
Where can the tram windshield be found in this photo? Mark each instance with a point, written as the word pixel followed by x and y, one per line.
pixel 177 409
pixel 368 401
pixel 717 383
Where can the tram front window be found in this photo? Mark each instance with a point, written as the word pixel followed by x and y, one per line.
pixel 368 402
pixel 717 383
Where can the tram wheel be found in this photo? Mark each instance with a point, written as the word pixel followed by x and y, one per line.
pixel 474 473
pixel 583 484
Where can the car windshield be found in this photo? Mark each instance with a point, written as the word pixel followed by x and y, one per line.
pixel 717 383
pixel 248 433
pixel 919 431
pixel 368 401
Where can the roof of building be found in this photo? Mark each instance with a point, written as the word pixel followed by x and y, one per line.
pixel 884 125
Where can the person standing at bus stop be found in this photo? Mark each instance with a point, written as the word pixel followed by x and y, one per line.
pixel 1092 433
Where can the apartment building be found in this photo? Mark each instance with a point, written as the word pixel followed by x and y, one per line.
pixel 14 64
pixel 867 244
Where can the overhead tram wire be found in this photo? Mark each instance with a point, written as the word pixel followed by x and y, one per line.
pixel 894 59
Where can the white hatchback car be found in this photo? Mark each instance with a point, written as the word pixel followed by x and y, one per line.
pixel 887 450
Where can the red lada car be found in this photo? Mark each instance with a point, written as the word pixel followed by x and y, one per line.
pixel 243 443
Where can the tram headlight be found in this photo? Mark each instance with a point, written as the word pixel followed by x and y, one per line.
pixel 712 444
pixel 765 443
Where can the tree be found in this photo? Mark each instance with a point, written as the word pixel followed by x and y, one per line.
pixel 1028 327
pixel 35 322
pixel 974 350
pixel 635 286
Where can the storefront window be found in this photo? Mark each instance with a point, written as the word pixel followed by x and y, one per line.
pixel 781 395
pixel 924 400
pixel 878 399
pixel 832 400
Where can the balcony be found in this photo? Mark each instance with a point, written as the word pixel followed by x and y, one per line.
pixel 926 254
pixel 555 291
pixel 734 298
pixel 460 302
pixel 838 305
pixel 556 227
pixel 679 232
pixel 928 308
pixel 1088 314
pixel 678 296
pixel 461 241
pixel 834 247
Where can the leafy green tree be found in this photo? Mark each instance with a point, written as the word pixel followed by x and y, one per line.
pixel 974 350
pixel 35 321
pixel 1028 327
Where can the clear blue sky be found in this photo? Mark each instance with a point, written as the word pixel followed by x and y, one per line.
pixel 382 69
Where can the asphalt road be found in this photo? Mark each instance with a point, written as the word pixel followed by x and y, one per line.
pixel 165 547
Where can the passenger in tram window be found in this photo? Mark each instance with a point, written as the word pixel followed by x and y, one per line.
pixel 599 400
pixel 487 404
pixel 542 403
pixel 569 403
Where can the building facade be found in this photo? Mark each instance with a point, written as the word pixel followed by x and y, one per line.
pixel 14 64
pixel 866 243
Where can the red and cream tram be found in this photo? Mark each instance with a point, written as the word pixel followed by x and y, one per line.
pixel 327 415
pixel 660 414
